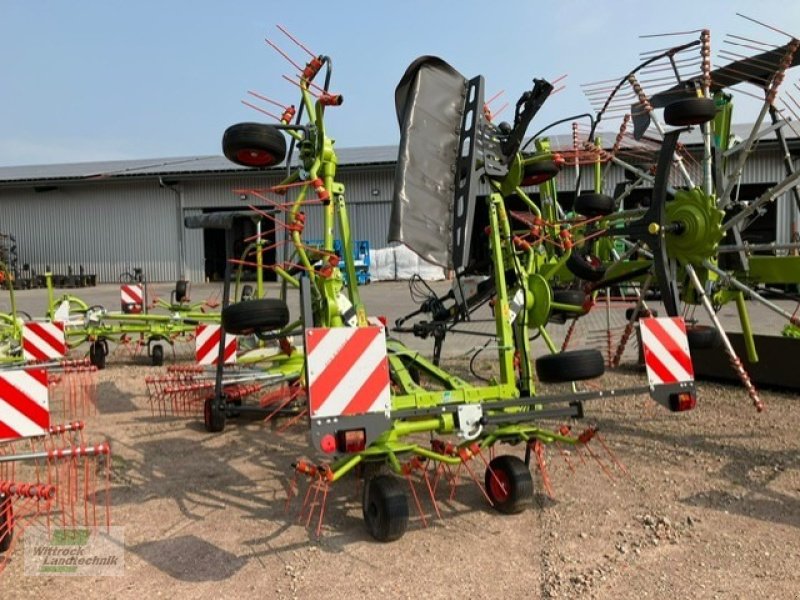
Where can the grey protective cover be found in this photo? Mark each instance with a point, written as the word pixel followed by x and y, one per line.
pixel 430 101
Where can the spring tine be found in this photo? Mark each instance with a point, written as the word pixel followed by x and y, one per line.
pixel 295 40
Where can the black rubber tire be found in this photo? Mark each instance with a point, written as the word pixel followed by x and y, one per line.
pixel 97 355
pixel 254 145
pixel 385 508
pixel 513 492
pixel 588 268
pixel 690 111
pixel 642 313
pixel 573 297
pixel 572 365
pixel 263 314
pixel 539 172
pixel 6 523
pixel 181 291
pixel 701 337
pixel 157 355
pixel 594 205
pixel 213 419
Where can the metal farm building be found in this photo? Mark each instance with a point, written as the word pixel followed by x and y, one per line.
pixel 111 216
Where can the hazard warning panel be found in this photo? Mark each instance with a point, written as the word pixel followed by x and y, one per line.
pixel 43 341
pixel 24 404
pixel 348 372
pixel 132 297
pixel 206 345
pixel 666 350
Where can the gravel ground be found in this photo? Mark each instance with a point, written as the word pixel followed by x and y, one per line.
pixel 709 508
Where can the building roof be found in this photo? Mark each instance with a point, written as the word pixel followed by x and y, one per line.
pixel 200 165
pixel 173 166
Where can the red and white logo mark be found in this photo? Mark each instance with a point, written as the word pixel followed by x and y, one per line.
pixel 666 350
pixel 206 345
pixel 43 341
pixel 24 403
pixel 347 371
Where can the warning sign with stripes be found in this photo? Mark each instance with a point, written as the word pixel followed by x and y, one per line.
pixel 348 372
pixel 24 403
pixel 43 341
pixel 206 345
pixel 132 297
pixel 666 350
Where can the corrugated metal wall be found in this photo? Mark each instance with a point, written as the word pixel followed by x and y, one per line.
pixel 107 228
pixel 110 227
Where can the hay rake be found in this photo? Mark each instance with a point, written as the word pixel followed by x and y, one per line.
pixel 368 396
pixel 52 481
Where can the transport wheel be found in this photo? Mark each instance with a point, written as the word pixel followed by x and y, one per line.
pixel 157 355
pixel 254 144
pixel 213 418
pixel 539 172
pixel 181 291
pixel 97 354
pixel 572 365
pixel 509 484
pixel 571 297
pixel 701 337
pixel 690 111
pixel 263 314
pixel 588 268
pixel 594 205
pixel 385 507
pixel 6 523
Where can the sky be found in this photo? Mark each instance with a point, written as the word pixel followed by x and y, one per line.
pixel 112 79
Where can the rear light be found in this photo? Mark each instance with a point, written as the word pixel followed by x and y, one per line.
pixel 328 444
pixel 383 320
pixel 351 440
pixel 682 401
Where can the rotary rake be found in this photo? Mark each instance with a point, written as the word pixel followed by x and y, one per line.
pixel 49 475
pixel 676 223
pixel 55 481
pixel 371 399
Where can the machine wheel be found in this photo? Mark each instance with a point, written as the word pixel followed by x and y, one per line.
pixel 254 145
pixel 594 205
pixel 588 268
pixel 97 354
pixel 213 418
pixel 572 365
pixel 701 337
pixel 689 111
pixel 263 314
pixel 157 355
pixel 181 291
pixel 539 172
pixel 509 484
pixel 571 297
pixel 385 507
pixel 6 523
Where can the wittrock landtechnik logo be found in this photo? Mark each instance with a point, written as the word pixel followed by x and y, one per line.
pixel 83 551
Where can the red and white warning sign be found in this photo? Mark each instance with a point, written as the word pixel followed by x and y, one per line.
pixel 666 350
pixel 347 371
pixel 43 341
pixel 132 297
pixel 24 403
pixel 206 345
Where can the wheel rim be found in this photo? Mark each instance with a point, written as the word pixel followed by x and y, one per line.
pixel 499 485
pixel 256 158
